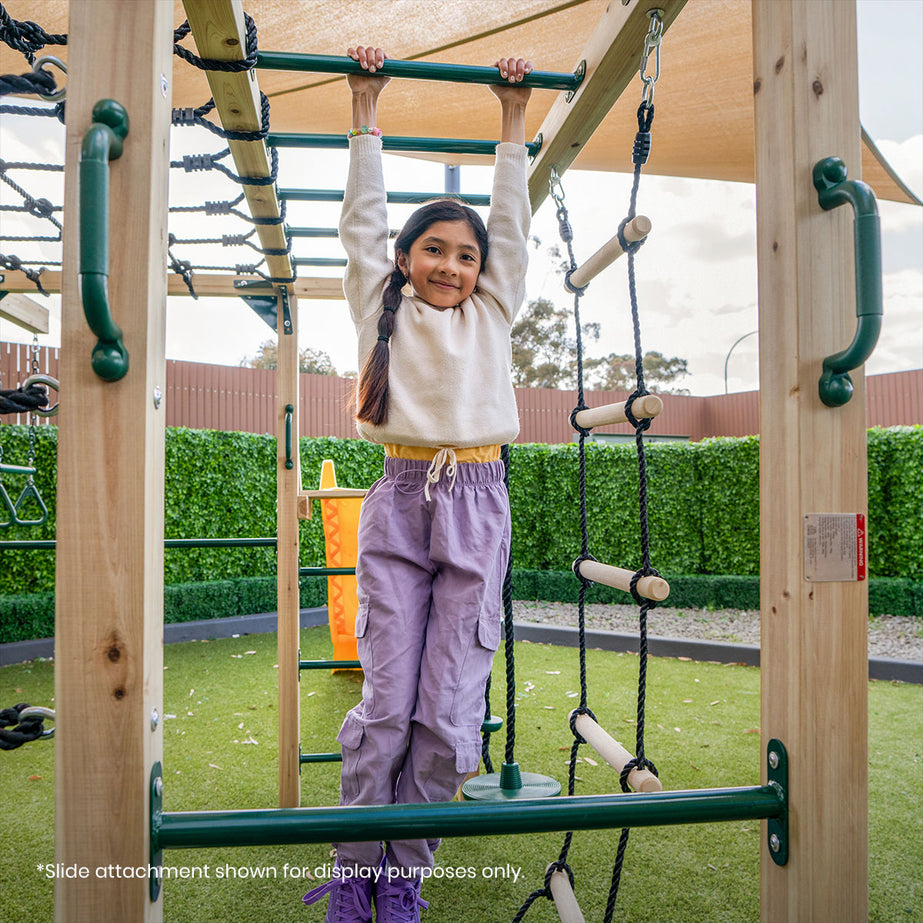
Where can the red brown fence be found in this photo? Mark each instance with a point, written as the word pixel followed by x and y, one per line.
pixel 242 399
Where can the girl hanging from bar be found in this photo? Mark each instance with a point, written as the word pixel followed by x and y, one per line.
pixel 434 532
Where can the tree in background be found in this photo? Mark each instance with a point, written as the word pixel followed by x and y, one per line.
pixel 545 350
pixel 312 361
pixel 617 372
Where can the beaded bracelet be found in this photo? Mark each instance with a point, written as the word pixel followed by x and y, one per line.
pixel 363 130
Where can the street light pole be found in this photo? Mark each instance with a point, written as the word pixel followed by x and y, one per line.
pixel 728 356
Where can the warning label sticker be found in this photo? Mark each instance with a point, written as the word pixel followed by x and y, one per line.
pixel 835 547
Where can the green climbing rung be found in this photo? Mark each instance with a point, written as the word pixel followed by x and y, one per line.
pixel 320 758
pixel 328 664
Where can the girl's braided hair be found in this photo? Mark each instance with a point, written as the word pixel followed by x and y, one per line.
pixel 372 387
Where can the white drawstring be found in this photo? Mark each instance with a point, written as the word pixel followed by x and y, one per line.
pixel 444 458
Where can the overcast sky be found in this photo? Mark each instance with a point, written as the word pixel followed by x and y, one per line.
pixel 696 275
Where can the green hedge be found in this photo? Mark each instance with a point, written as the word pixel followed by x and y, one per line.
pixel 702 502
pixel 32 616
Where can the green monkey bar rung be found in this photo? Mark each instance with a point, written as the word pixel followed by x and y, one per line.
pixel 328 664
pixel 398 144
pixel 414 70
pixel 326 571
pixel 395 198
pixel 284 826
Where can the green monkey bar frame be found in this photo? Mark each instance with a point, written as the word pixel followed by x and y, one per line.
pixel 416 70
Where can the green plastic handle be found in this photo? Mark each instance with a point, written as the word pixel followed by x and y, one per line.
pixel 101 143
pixel 833 189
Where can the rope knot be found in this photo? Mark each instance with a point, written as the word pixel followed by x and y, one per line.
pixel 645 422
pixel 557 866
pixel 582 430
pixel 633 586
pixel 637 762
pixel 586 556
pixel 628 246
pixel 580 710
pixel 574 289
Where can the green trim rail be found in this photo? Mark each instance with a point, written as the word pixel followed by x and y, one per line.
pixel 833 189
pixel 416 70
pixel 398 144
pixel 288 826
pixel 394 198
pixel 49 544
pixel 101 143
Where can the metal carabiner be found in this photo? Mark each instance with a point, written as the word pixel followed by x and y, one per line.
pixel 57 62
pixel 651 43
pixel 52 383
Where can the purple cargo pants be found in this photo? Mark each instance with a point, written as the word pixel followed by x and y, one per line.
pixel 430 576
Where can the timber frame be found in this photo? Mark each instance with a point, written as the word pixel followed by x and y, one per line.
pixel 110 537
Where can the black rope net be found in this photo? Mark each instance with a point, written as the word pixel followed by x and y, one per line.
pixel 28 38
pixel 640 761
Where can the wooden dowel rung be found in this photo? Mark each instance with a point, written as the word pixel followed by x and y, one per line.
pixel 640 780
pixel 650 587
pixel 636 229
pixel 563 896
pixel 644 407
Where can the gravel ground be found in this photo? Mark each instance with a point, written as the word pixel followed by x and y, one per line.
pixel 894 637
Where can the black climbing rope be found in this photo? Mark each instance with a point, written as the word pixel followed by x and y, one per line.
pixel 640 153
pixel 16 730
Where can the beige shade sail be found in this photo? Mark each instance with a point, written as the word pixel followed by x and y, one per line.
pixel 703 102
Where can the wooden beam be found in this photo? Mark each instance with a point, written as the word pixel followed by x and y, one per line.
pixel 288 486
pixel 24 312
pixel 814 659
pixel 320 288
pixel 220 34
pixel 110 493
pixel 613 58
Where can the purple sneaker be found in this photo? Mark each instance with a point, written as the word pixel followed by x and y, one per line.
pixel 398 900
pixel 350 899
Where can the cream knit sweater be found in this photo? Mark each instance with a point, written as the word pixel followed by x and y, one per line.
pixel 449 375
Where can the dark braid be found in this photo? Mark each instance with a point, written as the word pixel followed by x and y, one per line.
pixel 372 391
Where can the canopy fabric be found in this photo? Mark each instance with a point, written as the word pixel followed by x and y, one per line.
pixel 703 100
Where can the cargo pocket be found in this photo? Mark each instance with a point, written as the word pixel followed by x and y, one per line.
pixel 362 620
pixel 468 700
pixel 349 738
pixel 351 732
pixel 489 630
pixel 467 756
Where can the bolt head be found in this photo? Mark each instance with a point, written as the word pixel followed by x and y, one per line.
pixel 155 719
pixel 775 844
pixel 773 759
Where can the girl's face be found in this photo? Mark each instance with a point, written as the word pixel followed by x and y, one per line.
pixel 443 263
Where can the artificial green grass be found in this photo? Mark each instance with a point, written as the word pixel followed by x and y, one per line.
pixel 220 752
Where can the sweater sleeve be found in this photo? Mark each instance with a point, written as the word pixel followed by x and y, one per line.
pixel 504 276
pixel 364 229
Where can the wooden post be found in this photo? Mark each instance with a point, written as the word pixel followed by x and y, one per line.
pixel 109 589
pixel 812 458
pixel 288 486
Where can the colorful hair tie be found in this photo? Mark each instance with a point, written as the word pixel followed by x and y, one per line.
pixel 363 130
